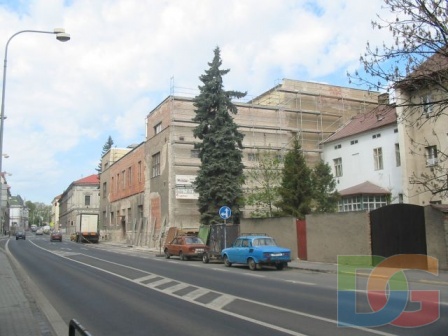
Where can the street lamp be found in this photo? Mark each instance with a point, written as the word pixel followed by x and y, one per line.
pixel 62 36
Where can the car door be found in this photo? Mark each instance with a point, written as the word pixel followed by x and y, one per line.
pixel 232 252
pixel 173 247
pixel 245 251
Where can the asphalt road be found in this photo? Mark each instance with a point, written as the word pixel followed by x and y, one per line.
pixel 115 293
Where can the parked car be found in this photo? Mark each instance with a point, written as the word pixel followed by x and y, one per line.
pixel 185 247
pixel 39 231
pixel 20 235
pixel 256 251
pixel 55 235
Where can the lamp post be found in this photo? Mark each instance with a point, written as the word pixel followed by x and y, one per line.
pixel 62 36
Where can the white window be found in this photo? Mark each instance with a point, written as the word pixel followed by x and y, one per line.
pixel 338 167
pixel 253 156
pixel 378 158
pixel 194 153
pixel 156 165
pixel 431 155
pixel 427 105
pixel 158 128
pixel 397 155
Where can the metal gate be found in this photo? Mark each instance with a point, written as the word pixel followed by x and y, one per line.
pixel 398 229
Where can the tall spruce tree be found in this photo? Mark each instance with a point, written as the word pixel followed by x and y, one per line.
pixel 108 145
pixel 296 189
pixel 220 176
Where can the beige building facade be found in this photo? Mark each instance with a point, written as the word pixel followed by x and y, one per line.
pixel 269 122
pixel 423 145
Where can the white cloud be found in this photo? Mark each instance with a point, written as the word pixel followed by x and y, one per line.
pixel 63 100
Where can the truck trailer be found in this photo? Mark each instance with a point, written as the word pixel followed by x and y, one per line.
pixel 87 228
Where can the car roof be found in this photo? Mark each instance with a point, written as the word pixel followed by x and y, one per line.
pixel 254 236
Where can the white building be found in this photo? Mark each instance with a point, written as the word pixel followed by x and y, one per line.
pixel 365 157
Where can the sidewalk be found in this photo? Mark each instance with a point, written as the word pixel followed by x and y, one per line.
pixel 19 315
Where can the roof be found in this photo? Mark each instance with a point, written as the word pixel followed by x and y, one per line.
pixel 92 179
pixel 380 116
pixel 365 188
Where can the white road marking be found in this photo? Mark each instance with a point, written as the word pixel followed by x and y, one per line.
pixel 216 307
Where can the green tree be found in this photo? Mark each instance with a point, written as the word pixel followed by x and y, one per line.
pixel 220 176
pixel 325 196
pixel 107 146
pixel 263 180
pixel 296 187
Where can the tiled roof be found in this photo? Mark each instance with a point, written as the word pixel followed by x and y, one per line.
pixel 92 179
pixel 365 188
pixel 380 116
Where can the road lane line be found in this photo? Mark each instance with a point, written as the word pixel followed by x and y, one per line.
pixel 191 297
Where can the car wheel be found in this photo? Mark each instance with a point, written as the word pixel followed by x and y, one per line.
pixel 205 258
pixel 252 264
pixel 182 256
pixel 227 262
pixel 167 254
pixel 280 266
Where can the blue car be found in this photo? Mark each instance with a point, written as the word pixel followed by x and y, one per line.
pixel 256 251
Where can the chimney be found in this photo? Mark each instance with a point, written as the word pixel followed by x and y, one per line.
pixel 383 99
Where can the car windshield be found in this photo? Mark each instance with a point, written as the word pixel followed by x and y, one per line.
pixel 193 240
pixel 264 242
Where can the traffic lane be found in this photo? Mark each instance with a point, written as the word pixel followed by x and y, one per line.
pixel 109 305
pixel 434 328
pixel 279 321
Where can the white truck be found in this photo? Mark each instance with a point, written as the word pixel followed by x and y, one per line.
pixel 86 228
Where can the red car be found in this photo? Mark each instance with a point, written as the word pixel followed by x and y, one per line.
pixel 55 235
pixel 185 247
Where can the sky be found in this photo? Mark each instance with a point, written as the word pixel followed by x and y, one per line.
pixel 64 99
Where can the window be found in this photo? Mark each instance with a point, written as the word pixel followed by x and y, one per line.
pixel 194 153
pixel 378 158
pixel 337 146
pixel 353 142
pixel 112 185
pixel 87 200
pixel 338 167
pixel 158 128
pixel 129 176
pixel 360 203
pixel 253 156
pixel 431 155
pixel 375 136
pixel 123 179
pixel 155 165
pixel 105 189
pixel 397 155
pixel 139 172
pixel 427 105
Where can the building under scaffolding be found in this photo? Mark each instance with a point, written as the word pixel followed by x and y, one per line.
pixel 311 111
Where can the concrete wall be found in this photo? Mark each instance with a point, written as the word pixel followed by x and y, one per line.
pixel 330 235
pixel 436 235
pixel 282 229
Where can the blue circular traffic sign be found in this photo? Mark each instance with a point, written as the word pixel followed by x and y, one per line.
pixel 225 212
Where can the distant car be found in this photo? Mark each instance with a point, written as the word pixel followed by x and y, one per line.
pixel 256 251
pixel 33 228
pixel 39 231
pixel 56 235
pixel 20 235
pixel 185 247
